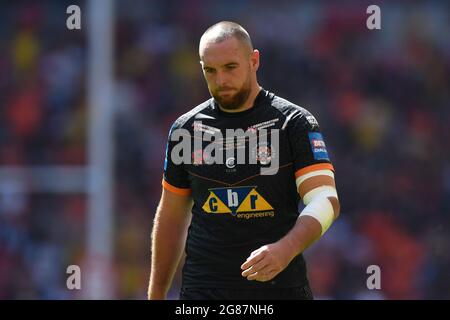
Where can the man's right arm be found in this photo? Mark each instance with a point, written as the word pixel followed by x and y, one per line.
pixel 168 239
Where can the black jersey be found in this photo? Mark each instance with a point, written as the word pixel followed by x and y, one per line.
pixel 237 209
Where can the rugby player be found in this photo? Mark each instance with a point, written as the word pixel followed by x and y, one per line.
pixel 241 230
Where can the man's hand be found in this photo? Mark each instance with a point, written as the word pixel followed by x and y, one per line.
pixel 269 260
pixel 266 262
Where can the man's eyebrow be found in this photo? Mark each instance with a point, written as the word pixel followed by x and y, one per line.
pixel 229 64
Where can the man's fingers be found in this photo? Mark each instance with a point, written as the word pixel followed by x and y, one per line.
pixel 255 252
pixel 252 260
pixel 255 268
pixel 265 274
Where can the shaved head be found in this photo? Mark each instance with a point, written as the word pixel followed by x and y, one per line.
pixel 229 65
pixel 222 31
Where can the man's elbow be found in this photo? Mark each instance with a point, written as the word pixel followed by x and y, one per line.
pixel 336 206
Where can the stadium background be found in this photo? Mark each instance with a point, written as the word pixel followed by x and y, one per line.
pixel 382 98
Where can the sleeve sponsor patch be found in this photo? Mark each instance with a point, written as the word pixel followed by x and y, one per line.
pixel 312 121
pixel 318 147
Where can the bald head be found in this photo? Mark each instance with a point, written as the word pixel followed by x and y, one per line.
pixel 222 31
pixel 229 65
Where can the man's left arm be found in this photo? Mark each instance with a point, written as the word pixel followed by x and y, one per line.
pixel 318 191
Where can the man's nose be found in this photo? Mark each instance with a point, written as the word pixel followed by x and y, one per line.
pixel 221 79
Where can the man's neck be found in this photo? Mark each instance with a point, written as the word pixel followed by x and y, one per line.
pixel 248 103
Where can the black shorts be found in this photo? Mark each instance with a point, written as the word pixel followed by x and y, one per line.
pixel 296 293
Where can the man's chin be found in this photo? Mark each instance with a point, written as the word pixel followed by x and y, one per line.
pixel 230 100
pixel 227 104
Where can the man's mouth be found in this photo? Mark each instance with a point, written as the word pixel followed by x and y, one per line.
pixel 225 91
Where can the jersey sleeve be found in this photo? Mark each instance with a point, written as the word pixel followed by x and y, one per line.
pixel 175 178
pixel 307 144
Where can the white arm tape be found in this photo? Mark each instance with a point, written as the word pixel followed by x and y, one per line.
pixel 319 207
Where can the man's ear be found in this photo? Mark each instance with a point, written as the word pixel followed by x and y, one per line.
pixel 255 59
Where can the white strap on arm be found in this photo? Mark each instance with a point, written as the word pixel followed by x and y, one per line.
pixel 319 206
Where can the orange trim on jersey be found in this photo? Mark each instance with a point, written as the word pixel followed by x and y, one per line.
pixel 314 167
pixel 179 191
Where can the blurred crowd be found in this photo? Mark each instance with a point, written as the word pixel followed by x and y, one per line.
pixel 382 99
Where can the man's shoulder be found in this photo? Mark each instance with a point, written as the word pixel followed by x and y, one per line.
pixel 287 107
pixel 201 111
pixel 292 112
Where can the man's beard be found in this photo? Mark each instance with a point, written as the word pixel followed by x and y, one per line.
pixel 235 101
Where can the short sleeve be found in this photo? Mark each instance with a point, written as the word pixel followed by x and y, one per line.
pixel 175 178
pixel 307 144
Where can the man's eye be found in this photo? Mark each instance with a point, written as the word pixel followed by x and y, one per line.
pixel 209 70
pixel 231 67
